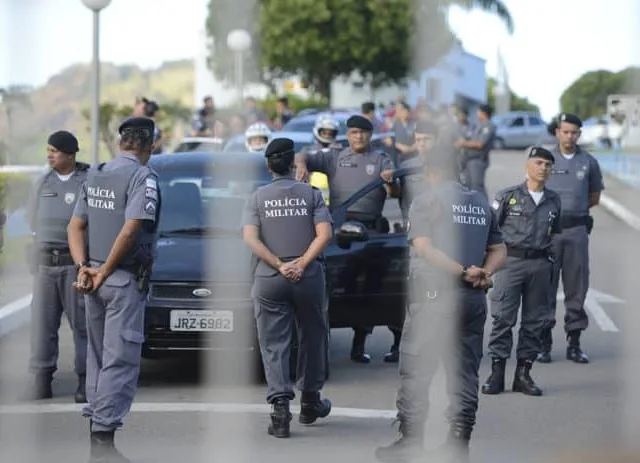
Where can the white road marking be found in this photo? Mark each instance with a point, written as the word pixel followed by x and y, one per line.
pixel 619 211
pixel 592 305
pixel 184 407
pixel 15 314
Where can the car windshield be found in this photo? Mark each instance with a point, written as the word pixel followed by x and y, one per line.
pixel 197 202
pixel 306 125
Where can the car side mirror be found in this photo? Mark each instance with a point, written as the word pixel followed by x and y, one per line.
pixel 350 232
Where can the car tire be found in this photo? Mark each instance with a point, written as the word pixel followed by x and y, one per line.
pixel 498 144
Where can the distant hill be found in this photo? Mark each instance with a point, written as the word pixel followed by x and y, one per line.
pixel 59 103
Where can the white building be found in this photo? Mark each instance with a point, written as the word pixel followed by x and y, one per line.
pixel 459 76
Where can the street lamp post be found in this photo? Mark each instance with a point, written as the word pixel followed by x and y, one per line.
pixel 239 41
pixel 96 6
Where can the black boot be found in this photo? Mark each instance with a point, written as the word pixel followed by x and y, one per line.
pixel 456 448
pixel 522 381
pixel 313 407
pixel 103 449
pixel 407 447
pixel 393 356
pixel 81 394
pixel 544 356
pixel 40 388
pixel 280 419
pixel 358 353
pixel 574 353
pixel 495 382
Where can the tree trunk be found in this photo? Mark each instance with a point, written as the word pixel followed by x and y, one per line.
pixel 323 87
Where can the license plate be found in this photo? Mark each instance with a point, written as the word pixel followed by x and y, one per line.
pixel 201 320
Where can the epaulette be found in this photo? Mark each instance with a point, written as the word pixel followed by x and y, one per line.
pixel 82 166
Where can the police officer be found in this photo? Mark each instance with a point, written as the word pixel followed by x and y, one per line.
pixel 287 225
pixel 477 150
pixel 577 178
pixel 528 215
pixel 348 170
pixel 456 246
pixel 119 210
pixel 426 136
pixel 49 210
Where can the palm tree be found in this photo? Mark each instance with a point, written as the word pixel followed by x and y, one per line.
pixel 496 7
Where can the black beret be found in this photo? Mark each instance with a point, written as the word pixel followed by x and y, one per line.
pixel 279 147
pixel 487 109
pixel 139 123
pixel 539 152
pixel 427 127
pixel 552 126
pixel 570 118
pixel 64 141
pixel 359 122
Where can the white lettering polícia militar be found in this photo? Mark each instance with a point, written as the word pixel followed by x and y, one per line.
pixel 468 214
pixel 286 202
pixel 286 207
pixel 100 198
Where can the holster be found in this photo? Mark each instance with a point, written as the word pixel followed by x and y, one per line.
pixel 589 224
pixel 142 276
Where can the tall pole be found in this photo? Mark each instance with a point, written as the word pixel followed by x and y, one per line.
pixel 239 76
pixel 95 116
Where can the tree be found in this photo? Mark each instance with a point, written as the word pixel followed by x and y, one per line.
pixel 319 40
pixel 13 98
pixel 587 96
pixel 111 115
pixel 517 103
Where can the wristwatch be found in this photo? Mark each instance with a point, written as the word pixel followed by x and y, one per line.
pixel 464 271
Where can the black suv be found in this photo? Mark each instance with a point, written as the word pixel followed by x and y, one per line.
pixel 200 292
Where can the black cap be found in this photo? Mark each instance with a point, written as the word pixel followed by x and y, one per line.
pixel 427 127
pixel 279 147
pixel 137 123
pixel 359 122
pixel 539 152
pixel 64 141
pixel 569 118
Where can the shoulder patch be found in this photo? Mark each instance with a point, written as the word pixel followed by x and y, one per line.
pixel 151 183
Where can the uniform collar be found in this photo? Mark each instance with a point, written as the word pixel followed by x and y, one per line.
pixel 524 189
pixel 130 156
pixel 556 150
pixel 282 177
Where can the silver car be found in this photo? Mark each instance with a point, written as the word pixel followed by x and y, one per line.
pixel 518 129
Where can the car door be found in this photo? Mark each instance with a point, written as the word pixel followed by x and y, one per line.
pixel 515 133
pixel 367 276
pixel 536 129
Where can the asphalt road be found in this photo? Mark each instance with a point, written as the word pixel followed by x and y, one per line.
pixel 197 411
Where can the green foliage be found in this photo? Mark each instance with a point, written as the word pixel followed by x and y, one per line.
pixel 383 40
pixel 223 17
pixel 518 103
pixel 587 96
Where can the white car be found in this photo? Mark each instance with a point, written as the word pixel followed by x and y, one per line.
pixel 601 131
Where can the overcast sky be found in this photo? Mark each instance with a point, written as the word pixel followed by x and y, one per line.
pixel 555 41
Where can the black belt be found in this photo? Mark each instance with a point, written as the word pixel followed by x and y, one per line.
pixel 290 259
pixel 574 221
pixel 55 258
pixel 524 253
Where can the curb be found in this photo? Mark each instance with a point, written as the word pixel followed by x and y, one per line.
pixel 14 315
pixel 620 212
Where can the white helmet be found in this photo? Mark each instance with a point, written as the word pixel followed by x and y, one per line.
pixel 326 123
pixel 259 130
